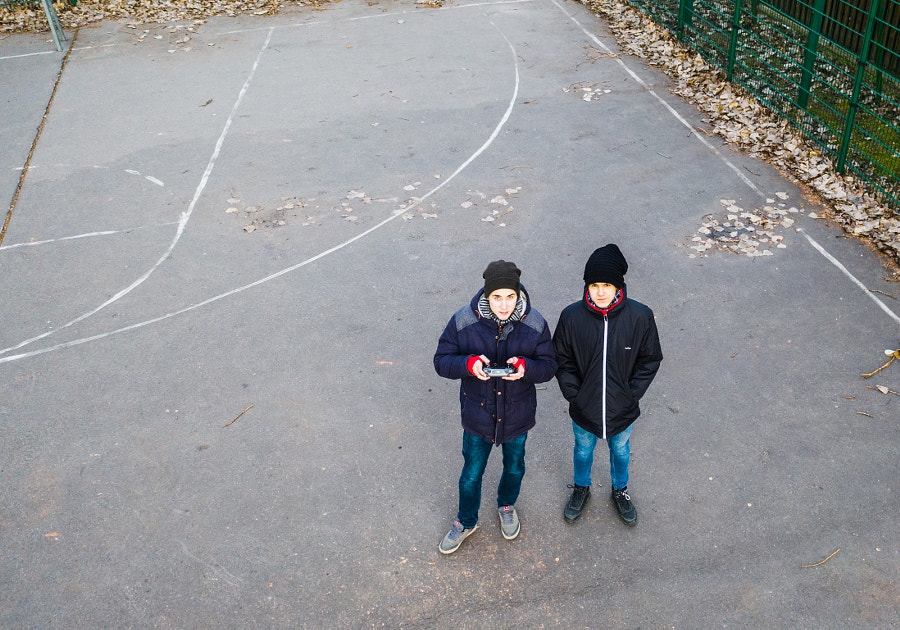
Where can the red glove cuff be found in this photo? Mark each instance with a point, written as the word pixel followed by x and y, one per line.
pixel 470 364
pixel 518 364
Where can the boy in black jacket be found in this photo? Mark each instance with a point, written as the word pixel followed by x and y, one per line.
pixel 608 352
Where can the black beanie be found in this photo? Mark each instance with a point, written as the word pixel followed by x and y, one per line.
pixel 606 264
pixel 501 275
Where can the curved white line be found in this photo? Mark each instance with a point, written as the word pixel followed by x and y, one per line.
pixel 182 221
pixel 394 215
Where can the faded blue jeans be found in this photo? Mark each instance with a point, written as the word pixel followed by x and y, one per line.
pixel 619 456
pixel 475 452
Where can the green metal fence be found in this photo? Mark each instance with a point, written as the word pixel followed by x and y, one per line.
pixel 830 67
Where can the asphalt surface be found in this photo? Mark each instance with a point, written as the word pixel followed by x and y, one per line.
pixel 223 282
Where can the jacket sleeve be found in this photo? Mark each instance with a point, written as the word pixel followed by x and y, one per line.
pixel 448 362
pixel 648 361
pixel 567 369
pixel 541 364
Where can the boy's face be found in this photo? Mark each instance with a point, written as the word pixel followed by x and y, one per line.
pixel 503 302
pixel 602 293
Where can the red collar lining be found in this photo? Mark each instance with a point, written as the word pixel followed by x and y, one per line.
pixel 587 298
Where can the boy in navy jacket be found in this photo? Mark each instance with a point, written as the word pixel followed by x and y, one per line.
pixel 498 328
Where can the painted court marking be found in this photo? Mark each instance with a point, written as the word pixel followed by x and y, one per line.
pixel 834 261
pixel 55 52
pixel 399 212
pixel 86 235
pixel 183 220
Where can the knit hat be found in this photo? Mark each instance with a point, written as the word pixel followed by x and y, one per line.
pixel 501 275
pixel 607 265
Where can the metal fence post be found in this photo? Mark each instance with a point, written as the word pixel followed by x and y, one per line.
pixel 685 16
pixel 55 27
pixel 861 63
pixel 877 37
pixel 732 48
pixel 809 53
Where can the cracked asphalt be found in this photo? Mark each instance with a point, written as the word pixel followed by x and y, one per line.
pixel 223 281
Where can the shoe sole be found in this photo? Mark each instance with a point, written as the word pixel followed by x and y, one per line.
pixel 577 516
pixel 448 552
pixel 513 537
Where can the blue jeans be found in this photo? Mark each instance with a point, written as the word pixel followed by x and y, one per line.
pixel 619 456
pixel 475 456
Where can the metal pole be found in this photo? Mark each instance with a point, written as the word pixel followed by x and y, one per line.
pixel 685 16
pixel 55 26
pixel 809 54
pixel 735 29
pixel 861 63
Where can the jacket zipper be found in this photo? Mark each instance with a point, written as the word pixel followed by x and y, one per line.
pixel 496 405
pixel 605 340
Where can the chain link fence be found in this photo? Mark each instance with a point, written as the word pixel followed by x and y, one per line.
pixel 832 68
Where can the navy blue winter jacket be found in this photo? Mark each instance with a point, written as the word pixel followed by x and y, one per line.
pixel 496 410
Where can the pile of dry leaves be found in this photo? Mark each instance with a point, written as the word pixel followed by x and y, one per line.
pixel 742 121
pixel 30 17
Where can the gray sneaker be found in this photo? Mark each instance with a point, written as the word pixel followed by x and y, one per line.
pixel 509 522
pixel 454 537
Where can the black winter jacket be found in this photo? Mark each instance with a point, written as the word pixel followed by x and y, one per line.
pixel 607 360
pixel 496 410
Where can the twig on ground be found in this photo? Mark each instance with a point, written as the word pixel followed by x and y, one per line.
pixel 894 355
pixel 883 390
pixel 238 416
pixel 808 566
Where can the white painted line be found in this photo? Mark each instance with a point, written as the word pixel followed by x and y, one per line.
pixel 34 54
pixel 182 222
pixel 671 109
pixel 834 261
pixel 394 215
pixel 87 235
pixel 54 52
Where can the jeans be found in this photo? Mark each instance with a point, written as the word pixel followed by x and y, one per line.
pixel 475 452
pixel 619 456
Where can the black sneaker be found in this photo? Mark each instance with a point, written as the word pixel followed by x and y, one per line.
pixel 624 506
pixel 581 495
